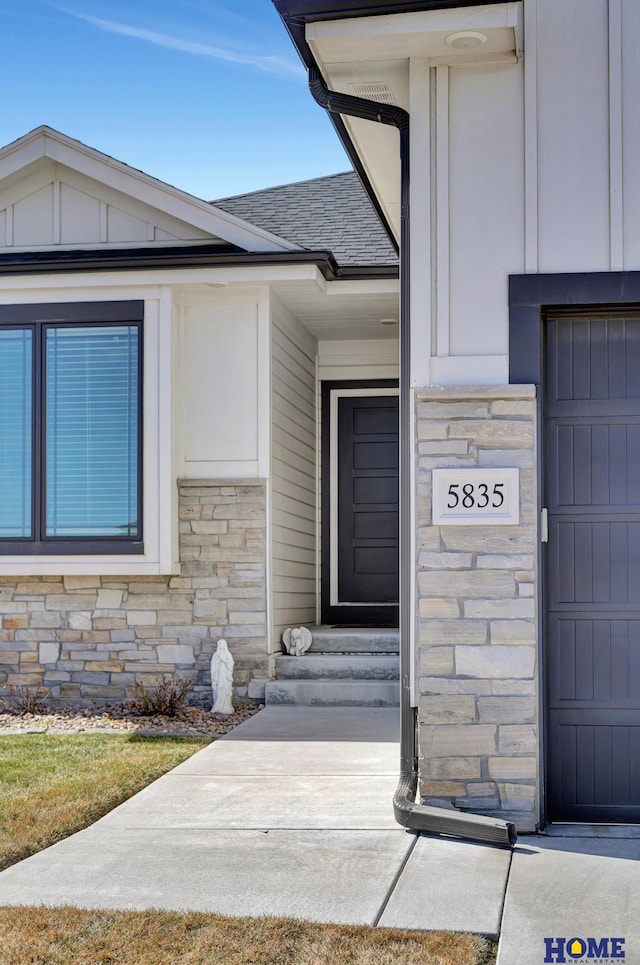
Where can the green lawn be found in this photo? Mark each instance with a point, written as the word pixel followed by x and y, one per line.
pixel 54 785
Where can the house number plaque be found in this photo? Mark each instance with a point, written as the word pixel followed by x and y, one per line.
pixel 476 497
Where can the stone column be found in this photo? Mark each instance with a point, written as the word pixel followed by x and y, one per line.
pixel 223 563
pixel 477 611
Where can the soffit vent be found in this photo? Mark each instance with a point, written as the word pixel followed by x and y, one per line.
pixel 374 91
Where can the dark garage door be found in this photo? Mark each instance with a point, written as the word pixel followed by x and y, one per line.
pixel 592 402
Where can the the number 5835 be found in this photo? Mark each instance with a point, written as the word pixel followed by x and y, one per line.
pixel 475 496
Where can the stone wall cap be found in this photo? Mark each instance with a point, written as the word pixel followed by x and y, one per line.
pixel 464 393
pixel 200 483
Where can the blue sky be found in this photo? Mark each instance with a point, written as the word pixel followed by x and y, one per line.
pixel 208 95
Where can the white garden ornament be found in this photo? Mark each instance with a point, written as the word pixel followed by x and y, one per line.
pixel 222 679
pixel 297 640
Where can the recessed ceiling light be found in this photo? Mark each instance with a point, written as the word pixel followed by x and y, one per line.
pixel 466 39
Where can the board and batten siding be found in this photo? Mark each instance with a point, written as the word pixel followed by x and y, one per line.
pixel 583 70
pixel 293 472
pixel 224 378
pixel 475 206
pixel 532 169
pixel 572 92
pixel 486 225
pixel 55 205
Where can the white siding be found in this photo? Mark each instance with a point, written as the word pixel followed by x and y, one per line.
pixel 58 206
pixel 573 135
pixel 583 66
pixel 631 130
pixel 293 472
pixel 224 369
pixel 486 189
pixel 79 217
pixel 33 218
pixel 530 167
pixel 475 207
pixel 372 358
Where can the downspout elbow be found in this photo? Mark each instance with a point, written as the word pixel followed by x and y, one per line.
pixel 421 817
pixel 338 103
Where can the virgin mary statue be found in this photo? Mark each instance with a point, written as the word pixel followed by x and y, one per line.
pixel 222 679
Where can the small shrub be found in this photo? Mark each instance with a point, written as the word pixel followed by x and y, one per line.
pixel 166 697
pixel 24 700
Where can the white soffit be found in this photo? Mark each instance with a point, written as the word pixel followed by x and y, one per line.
pixel 369 57
pixel 44 142
pixel 357 309
pixel 422 34
pixel 378 148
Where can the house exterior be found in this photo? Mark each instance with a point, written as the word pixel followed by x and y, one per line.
pixel 521 345
pixel 161 364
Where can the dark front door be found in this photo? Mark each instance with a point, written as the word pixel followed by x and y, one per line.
pixel 592 400
pixel 360 508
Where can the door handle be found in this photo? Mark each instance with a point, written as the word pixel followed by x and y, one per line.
pixel 544 526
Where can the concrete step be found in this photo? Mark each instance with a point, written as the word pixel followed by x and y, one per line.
pixel 328 639
pixel 333 693
pixel 339 666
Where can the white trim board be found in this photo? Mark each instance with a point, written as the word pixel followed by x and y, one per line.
pixel 160 517
pixel 334 396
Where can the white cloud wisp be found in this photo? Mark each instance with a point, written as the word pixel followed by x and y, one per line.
pixel 268 64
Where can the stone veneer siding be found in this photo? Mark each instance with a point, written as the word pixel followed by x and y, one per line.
pixel 91 638
pixel 477 611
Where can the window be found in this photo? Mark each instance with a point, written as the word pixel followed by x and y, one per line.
pixel 70 428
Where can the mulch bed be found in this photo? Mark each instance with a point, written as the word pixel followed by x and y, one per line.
pixel 121 719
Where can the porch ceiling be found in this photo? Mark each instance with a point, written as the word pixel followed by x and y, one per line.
pixel 345 309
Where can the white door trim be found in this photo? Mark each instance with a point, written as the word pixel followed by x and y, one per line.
pixel 334 396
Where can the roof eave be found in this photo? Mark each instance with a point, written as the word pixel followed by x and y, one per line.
pixel 46 142
pixel 308 11
pixel 201 256
pixel 296 14
pixel 296 30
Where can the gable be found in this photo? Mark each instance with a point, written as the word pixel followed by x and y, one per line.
pixel 57 192
pixel 58 206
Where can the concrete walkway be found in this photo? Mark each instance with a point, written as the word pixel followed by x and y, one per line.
pixel 568 887
pixel 291 814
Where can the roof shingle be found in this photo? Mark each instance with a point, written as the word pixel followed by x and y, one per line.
pixel 332 213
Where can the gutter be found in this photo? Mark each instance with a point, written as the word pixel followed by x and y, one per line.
pixel 318 10
pixel 192 256
pixel 200 256
pixel 408 813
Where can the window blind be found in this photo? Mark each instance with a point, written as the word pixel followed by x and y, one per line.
pixel 16 405
pixel 91 430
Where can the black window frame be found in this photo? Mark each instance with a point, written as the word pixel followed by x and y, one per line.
pixel 38 318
